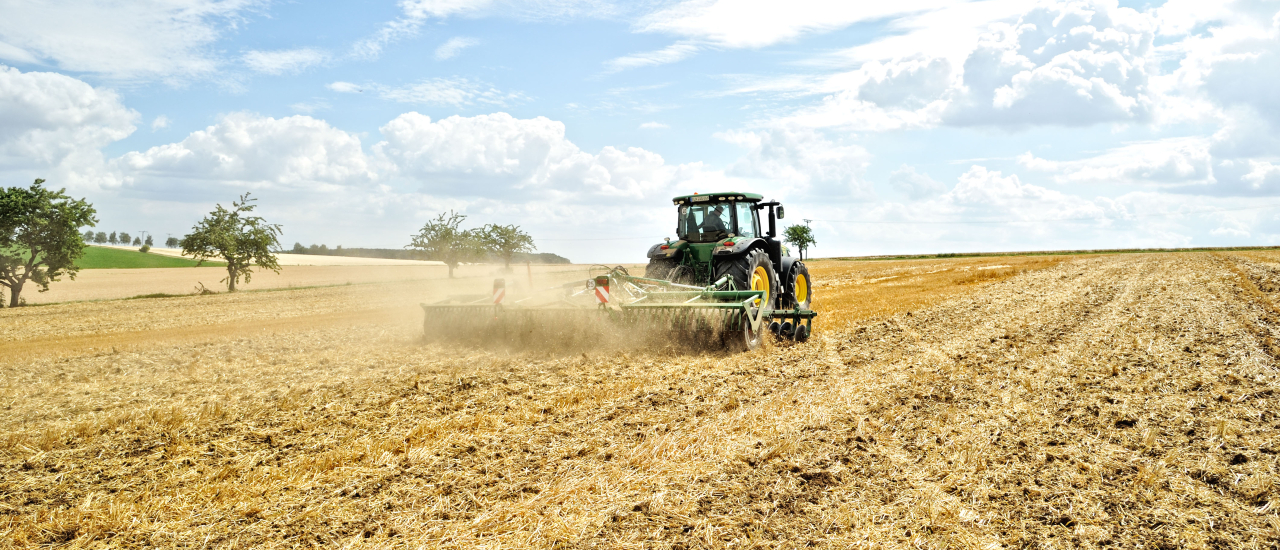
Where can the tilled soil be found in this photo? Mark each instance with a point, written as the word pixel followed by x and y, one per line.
pixel 1106 401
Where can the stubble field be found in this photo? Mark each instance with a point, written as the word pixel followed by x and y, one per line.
pixel 1012 402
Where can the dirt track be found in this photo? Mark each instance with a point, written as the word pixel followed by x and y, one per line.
pixel 1110 400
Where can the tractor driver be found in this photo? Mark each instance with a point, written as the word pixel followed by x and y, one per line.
pixel 714 221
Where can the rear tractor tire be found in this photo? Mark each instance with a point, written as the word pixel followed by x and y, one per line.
pixel 751 271
pixel 797 290
pixel 659 268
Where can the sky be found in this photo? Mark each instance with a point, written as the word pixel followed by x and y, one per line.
pixel 916 126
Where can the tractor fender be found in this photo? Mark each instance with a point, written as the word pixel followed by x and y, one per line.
pixel 656 252
pixel 740 247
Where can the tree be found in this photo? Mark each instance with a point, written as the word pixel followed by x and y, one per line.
pixel 125 238
pixel 149 242
pixel 171 242
pixel 113 239
pixel 40 236
pixel 242 241
pixel 505 241
pixel 88 236
pixel 100 238
pixel 137 241
pixel 441 239
pixel 800 236
pixel 298 248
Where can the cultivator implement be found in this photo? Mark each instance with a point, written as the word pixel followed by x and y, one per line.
pixel 616 306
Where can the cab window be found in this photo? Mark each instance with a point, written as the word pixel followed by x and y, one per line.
pixel 747 226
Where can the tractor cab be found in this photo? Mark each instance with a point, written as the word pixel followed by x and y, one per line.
pixel 711 222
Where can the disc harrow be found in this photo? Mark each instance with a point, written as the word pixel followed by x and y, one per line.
pixel 616 305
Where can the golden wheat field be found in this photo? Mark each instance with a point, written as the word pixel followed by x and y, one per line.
pixel 998 402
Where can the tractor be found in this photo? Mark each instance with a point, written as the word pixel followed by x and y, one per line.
pixel 720 242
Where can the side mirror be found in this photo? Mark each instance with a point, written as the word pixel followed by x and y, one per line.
pixel 782 213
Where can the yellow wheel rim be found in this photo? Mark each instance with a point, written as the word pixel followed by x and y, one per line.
pixel 802 288
pixel 760 281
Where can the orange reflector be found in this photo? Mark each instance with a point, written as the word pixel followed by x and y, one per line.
pixel 664 247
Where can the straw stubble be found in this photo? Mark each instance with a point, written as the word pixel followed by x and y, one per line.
pixel 1107 400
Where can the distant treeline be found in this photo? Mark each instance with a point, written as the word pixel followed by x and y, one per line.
pixel 405 254
pixel 1054 253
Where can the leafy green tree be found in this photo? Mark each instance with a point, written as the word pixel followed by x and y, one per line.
pixel 150 243
pixel 441 239
pixel 505 241
pixel 171 242
pixel 40 236
pixel 137 241
pixel 298 248
pixel 100 237
pixel 241 240
pixel 799 236
pixel 88 236
pixel 125 238
pixel 113 239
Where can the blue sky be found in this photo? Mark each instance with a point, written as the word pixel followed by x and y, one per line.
pixel 906 127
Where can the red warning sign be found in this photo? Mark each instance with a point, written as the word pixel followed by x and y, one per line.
pixel 499 290
pixel 602 289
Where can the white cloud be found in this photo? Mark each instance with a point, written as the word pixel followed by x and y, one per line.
pixel 669 54
pixel 914 184
pixel 512 160
pixel 1067 63
pixel 754 24
pixel 284 61
pixel 453 47
pixel 449 91
pixel 982 192
pixel 344 87
pixel 247 150
pixel 415 13
pixel 804 160
pixel 1166 161
pixel 159 123
pixel 47 117
pixel 654 126
pixel 144 40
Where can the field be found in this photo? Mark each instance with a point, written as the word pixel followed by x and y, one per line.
pixel 993 402
pixel 101 257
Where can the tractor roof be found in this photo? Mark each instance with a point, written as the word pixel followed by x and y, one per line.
pixel 718 197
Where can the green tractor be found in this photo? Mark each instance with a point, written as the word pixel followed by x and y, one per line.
pixel 720 243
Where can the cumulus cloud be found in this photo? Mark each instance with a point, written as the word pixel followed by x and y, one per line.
pixel 499 156
pixel 1064 63
pixel 146 40
pixel 453 47
pixel 1166 161
pixel 914 184
pixel 45 118
pixel 1069 64
pixel 159 123
pixel 252 151
pixel 284 61
pixel 803 159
